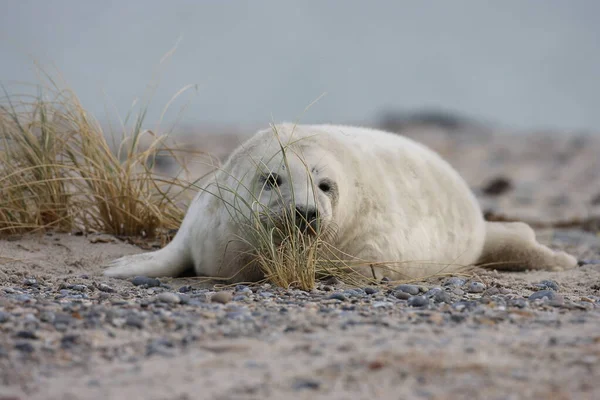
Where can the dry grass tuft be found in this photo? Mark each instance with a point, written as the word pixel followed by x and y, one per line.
pixel 57 171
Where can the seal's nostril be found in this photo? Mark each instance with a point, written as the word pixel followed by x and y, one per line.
pixel 306 217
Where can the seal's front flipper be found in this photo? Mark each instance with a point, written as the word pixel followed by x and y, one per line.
pixel 169 261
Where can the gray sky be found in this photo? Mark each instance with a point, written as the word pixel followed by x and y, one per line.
pixel 526 63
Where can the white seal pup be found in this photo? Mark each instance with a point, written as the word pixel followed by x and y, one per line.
pixel 388 199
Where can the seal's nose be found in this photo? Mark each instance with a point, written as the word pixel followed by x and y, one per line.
pixel 307 219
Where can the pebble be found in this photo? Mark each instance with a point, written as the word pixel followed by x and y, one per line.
pixel 145 281
pixel 383 304
pixel 418 301
pixel 103 287
pixel 134 321
pixel 26 335
pixel 168 297
pixel 371 290
pixel 442 297
pixel 78 288
pixel 410 289
pixel 25 347
pixel 184 289
pixel 266 295
pixel 221 297
pixel 4 316
pixel 337 296
pixel 402 295
pixel 476 287
pixel 454 281
pixel 308 383
pixel 550 294
pixel 547 284
pixel 30 282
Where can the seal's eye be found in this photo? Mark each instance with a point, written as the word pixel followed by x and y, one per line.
pixel 271 181
pixel 325 186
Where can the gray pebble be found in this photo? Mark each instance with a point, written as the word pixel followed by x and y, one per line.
pixel 103 287
pixel 26 335
pixel 410 289
pixel 337 296
pixel 476 287
pixel 184 289
pixel 30 282
pixel 418 301
pixel 550 294
pixel 25 347
pixel 432 292
pixel 307 383
pixel 266 295
pixel 458 292
pixel 4 316
pixel 442 297
pixel 402 295
pixel 371 290
pixel 134 321
pixel 168 297
pixel 454 281
pixel 78 288
pixel 145 281
pixel 383 304
pixel 547 284
pixel 184 298
pixel 221 297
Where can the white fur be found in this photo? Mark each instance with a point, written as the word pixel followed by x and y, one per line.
pixel 396 201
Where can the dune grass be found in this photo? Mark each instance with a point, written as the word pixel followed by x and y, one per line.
pixel 58 171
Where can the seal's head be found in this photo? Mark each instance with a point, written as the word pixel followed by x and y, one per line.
pixel 297 186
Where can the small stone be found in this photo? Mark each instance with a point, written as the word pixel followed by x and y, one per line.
pixel 221 297
pixel 337 296
pixel 30 282
pixel 402 295
pixel 168 297
pixel 103 287
pixel 266 295
pixel 382 304
pixel 78 288
pixel 4 316
pixel 68 340
pixel 454 281
pixel 24 347
pixel 476 287
pixel 442 297
pixel 145 281
pixel 371 290
pixel 385 279
pixel 184 298
pixel 184 289
pixel 550 294
pixel 134 321
pixel 26 335
pixel 410 289
pixel 458 292
pixel 418 301
pixel 547 284
pixel 311 384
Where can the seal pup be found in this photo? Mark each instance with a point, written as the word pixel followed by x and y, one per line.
pixel 386 199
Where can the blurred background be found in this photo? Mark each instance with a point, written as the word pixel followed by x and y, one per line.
pixel 523 64
pixel 462 76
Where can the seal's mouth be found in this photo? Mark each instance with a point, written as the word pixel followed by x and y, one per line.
pixel 303 220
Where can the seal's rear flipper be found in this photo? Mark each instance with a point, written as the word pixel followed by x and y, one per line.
pixel 168 261
pixel 512 246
